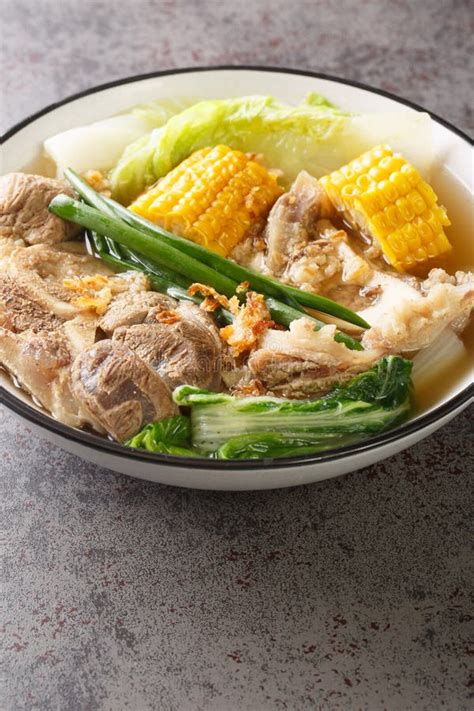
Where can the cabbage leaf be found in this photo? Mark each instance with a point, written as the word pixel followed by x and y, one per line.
pixel 255 427
pixel 99 145
pixel 168 436
pixel 314 136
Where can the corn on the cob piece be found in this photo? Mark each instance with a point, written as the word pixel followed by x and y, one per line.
pixel 212 198
pixel 386 198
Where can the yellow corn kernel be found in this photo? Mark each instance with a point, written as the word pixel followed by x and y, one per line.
pixel 384 196
pixel 212 198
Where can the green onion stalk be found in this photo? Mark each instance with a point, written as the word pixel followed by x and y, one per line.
pixel 163 257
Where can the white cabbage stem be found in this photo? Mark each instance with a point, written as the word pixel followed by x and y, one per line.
pixel 443 354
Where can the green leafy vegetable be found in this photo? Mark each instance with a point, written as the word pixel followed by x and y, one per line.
pixel 172 430
pixel 227 427
pixel 253 123
pixel 171 435
pixel 386 384
pixel 99 145
pixel 314 136
pixel 274 444
pixel 261 426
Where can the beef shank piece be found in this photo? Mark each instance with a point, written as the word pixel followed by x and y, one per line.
pixel 38 273
pixel 119 390
pixel 129 309
pixel 302 362
pixel 24 213
pixel 41 361
pixel 183 349
pixel 41 331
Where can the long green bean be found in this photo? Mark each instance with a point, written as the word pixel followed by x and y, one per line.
pixel 168 283
pixel 225 266
pixel 168 258
pixel 163 282
pixel 263 284
pixel 128 236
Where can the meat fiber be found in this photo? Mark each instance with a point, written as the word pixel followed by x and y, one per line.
pixel 302 362
pixel 292 219
pixel 24 214
pixel 118 390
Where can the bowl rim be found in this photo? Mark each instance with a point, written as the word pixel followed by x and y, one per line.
pixel 103 445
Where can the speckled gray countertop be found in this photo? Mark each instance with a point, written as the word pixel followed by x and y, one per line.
pixel 350 594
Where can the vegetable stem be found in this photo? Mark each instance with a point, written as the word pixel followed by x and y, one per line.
pixel 162 281
pixel 128 236
pixel 295 298
pixel 162 260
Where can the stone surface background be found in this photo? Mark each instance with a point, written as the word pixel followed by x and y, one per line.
pixel 350 594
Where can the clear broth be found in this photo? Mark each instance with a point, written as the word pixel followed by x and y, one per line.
pixel 460 206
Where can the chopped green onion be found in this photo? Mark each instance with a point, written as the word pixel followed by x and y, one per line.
pixel 258 282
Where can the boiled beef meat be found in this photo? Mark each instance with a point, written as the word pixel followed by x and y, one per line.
pixel 24 213
pixel 181 344
pixel 118 390
pixel 292 219
pixel 302 362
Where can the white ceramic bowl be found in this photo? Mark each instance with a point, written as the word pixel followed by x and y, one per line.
pixel 453 168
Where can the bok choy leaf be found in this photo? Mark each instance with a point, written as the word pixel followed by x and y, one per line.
pixel 256 427
pixel 171 435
